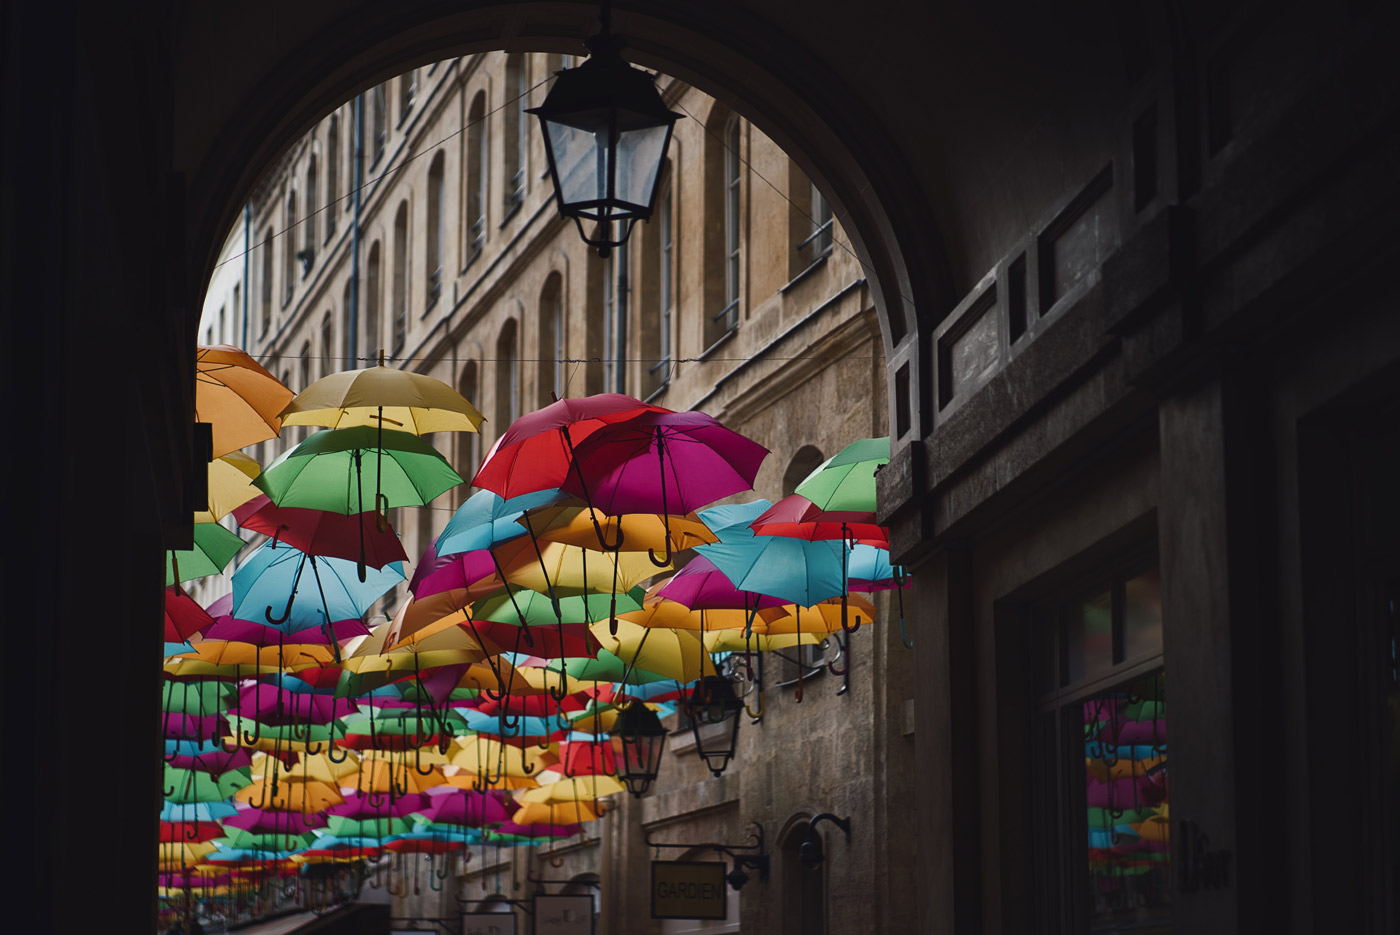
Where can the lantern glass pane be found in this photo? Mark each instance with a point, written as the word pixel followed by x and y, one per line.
pixel 715 736
pixel 639 154
pixel 580 162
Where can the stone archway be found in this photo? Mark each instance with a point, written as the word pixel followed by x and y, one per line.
pixel 734 52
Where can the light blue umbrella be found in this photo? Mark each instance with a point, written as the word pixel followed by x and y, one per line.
pixel 196 811
pixel 797 571
pixel 487 519
pixel 283 587
pixel 731 520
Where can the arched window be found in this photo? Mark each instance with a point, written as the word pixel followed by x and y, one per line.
pixel 550 369
pixel 347 362
pixel 332 175
pixel 468 443
pixel 266 280
pixel 373 268
pixel 289 248
pixel 433 254
pixel 722 225
pixel 803 893
pixel 408 92
pixel 804 461
pixel 507 377
pixel 476 164
pixel 309 235
pixel 328 361
pixel 304 375
pixel 400 295
pixel 378 122
pixel 658 289
pixel 517 128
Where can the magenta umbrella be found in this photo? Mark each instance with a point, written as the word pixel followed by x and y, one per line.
pixel 270 821
pixel 702 586
pixel 465 807
pixel 273 705
pixel 662 462
pixel 361 805
pixel 228 627
pixel 219 762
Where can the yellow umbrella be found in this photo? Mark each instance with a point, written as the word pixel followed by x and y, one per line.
pixel 480 755
pixel 237 396
pixel 570 813
pixel 676 654
pixel 176 855
pixel 384 397
pixel 303 797
pixel 572 568
pixel 227 657
pixel 574 525
pixel 820 618
pixel 468 779
pixel 316 767
pixel 230 486
pixel 380 773
pixel 732 641
pixel 571 789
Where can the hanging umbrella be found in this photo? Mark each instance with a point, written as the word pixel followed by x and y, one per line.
pixel 322 532
pixel 330 589
pixel 383 397
pixel 702 585
pixel 214 547
pixel 331 470
pixel 796 570
pixel 230 485
pixel 662 462
pixel 535 452
pixel 183 615
pixel 486 519
pixel 675 654
pixel 237 396
pixel 797 517
pixel 575 525
pixel 846 481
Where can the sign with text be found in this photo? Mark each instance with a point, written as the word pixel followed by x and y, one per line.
pixel 564 915
pixel 688 889
pixel 488 923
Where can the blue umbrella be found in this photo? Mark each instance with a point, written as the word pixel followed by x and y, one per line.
pixel 797 571
pixel 731 520
pixel 487 519
pixel 196 811
pixel 332 590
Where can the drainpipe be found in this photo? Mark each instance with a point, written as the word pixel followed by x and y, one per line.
pixel 247 248
pixel 353 312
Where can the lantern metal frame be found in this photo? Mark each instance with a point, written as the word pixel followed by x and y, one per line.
pixel 643 740
pixel 593 97
pixel 713 701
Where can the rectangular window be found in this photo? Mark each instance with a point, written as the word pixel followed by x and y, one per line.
pixel 1100 758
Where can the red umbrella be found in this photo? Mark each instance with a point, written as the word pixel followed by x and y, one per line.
pixel 535 452
pixel 183 615
pixel 797 517
pixel 318 532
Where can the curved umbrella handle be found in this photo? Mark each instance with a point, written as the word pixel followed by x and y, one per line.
pixel 418 763
pixel 666 559
pixel 381 512
pixel 603 543
pixel 194 830
pixel 249 740
pixel 285 613
pixel 330 753
pixel 526 766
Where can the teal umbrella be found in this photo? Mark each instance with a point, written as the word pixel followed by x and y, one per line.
pixel 184 786
pixel 845 482
pixel 797 571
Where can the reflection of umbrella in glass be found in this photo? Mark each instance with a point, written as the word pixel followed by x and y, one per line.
pixel 237 396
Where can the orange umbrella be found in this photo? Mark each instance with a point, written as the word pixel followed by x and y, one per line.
pixel 241 399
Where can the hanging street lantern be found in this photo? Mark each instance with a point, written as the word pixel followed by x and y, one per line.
pixel 642 738
pixel 714 720
pixel 606 131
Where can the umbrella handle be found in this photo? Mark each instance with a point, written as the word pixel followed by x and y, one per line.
pixel 381 512
pixel 330 753
pixel 287 612
pixel 666 560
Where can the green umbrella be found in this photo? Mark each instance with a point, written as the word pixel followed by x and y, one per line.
pixel 845 482
pixel 351 471
pixel 239 838
pixel 214 547
pixel 197 699
pixel 191 785
pixel 606 668
pixel 345 826
pixel 531 608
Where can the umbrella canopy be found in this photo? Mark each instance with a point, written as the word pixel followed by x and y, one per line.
pixel 575 525
pixel 237 396
pixel 846 481
pixel 284 587
pixel 662 462
pixel 674 654
pixel 383 397
pixel 487 519
pixel 536 451
pixel 214 547
pixel 701 585
pixel 343 470
pixel 322 532
pixel 230 485
pixel 800 518
pixel 183 615
pixel 798 571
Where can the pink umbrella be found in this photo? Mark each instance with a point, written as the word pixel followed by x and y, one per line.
pixel 270 821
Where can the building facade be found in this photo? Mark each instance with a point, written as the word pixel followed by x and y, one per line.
pixel 417 222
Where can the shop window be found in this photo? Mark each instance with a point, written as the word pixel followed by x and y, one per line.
pixel 1100 757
